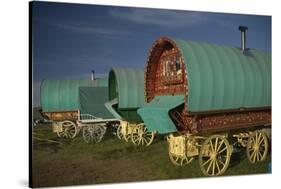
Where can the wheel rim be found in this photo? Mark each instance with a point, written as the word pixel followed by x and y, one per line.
pixel 98 133
pixel 214 155
pixel 180 161
pixel 141 136
pixel 127 137
pixel 119 133
pixel 69 129
pixel 60 134
pixel 135 136
pixel 257 147
pixel 87 135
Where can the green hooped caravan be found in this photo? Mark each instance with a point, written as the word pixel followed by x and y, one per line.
pixel 126 96
pixel 205 95
pixel 73 104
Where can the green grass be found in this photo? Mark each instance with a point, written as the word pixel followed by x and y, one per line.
pixel 74 162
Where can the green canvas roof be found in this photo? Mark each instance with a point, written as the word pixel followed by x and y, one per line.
pixel 155 114
pixel 62 95
pixel 126 90
pixel 222 77
pixel 92 99
pixel 127 85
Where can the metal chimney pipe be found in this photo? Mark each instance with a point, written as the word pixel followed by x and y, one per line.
pixel 93 75
pixel 243 30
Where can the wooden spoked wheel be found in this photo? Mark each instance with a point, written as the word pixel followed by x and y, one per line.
pixel 180 161
pixel 93 133
pixel 123 132
pixel 214 155
pixel 119 132
pixel 257 147
pixel 69 130
pixel 141 136
pixel 87 135
pixel 98 132
pixel 127 136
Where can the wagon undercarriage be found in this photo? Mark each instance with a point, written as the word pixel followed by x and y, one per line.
pixel 214 151
pixel 93 128
pixel 136 133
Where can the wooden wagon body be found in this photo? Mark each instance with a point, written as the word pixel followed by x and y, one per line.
pixel 74 105
pixel 203 94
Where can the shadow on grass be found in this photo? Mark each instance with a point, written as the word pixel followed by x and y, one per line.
pixel 237 157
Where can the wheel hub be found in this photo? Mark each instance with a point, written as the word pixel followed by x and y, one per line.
pixel 213 155
pixel 141 133
pixel 256 147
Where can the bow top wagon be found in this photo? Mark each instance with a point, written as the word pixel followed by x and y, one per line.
pixel 126 96
pixel 72 104
pixel 205 94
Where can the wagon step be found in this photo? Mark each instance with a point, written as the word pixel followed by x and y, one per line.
pixel 177 118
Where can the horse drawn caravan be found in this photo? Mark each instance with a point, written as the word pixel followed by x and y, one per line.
pixel 74 105
pixel 204 96
pixel 126 95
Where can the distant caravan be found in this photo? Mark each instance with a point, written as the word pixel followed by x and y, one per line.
pixel 126 95
pixel 77 104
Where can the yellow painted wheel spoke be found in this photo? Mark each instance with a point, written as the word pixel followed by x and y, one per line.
pixel 145 141
pixel 138 141
pixel 209 166
pixel 251 149
pixel 252 155
pixel 256 137
pixel 221 163
pixel 182 161
pixel 218 167
pixel 214 166
pixel 260 135
pixel 211 144
pixel 261 141
pixel 205 163
pixel 259 156
pixel 225 148
pixel 216 144
pixel 141 141
pixel 220 145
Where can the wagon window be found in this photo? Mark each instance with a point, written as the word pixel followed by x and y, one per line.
pixel 171 67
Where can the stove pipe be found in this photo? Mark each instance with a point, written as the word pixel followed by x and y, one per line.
pixel 243 30
pixel 93 75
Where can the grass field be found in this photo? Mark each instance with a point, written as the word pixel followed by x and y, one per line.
pixel 74 162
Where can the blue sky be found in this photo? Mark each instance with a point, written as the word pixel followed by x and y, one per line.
pixel 70 40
